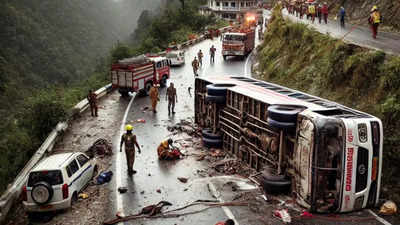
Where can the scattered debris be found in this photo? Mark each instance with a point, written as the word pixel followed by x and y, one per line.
pixel 201 158
pixel 185 189
pixel 145 108
pixel 231 167
pixel 83 196
pixel 284 215
pixel 104 177
pixel 140 121
pixel 142 192
pixel 185 127
pixel 388 208
pixel 158 191
pixel 122 190
pixel 217 153
pixel 149 174
pixel 183 180
pixel 100 147
pixel 306 214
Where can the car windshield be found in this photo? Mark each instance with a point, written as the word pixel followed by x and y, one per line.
pixel 232 37
pixel 53 177
pixel 329 167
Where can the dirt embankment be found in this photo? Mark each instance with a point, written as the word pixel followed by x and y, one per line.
pixel 302 58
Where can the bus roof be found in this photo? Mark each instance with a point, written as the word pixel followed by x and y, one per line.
pixel 276 94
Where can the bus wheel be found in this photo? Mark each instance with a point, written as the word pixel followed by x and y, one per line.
pixel 218 89
pixel 207 133
pixel 285 113
pixel 212 143
pixel 215 99
pixel 281 125
pixel 274 184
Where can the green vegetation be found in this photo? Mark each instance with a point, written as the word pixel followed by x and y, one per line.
pixel 301 58
pixel 157 30
pixel 51 53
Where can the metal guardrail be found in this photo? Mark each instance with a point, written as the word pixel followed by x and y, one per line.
pixel 14 190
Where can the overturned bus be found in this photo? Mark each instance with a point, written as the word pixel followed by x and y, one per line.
pixel 329 156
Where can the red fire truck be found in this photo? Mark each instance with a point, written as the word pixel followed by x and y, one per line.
pixel 239 42
pixel 139 73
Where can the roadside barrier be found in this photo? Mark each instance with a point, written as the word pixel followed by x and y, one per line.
pixel 13 192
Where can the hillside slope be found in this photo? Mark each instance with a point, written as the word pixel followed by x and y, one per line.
pixel 302 58
pixel 51 53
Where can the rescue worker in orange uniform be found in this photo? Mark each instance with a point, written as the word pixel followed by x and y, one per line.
pixel 92 99
pixel 154 96
pixel 165 152
pixel 195 65
pixel 227 222
pixel 129 139
pixel 374 20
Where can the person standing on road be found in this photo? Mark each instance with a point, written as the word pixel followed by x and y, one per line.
pixel 319 13
pixel 374 20
pixel 311 11
pixel 92 99
pixel 154 96
pixel 325 12
pixel 342 14
pixel 129 139
pixel 195 65
pixel 212 54
pixel 227 222
pixel 200 55
pixel 172 98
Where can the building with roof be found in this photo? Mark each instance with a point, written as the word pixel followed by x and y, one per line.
pixel 230 9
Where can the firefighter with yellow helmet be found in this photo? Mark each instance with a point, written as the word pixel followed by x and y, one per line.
pixel 374 20
pixel 166 151
pixel 129 139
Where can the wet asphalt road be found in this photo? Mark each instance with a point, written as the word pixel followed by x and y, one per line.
pixel 156 175
pixel 358 35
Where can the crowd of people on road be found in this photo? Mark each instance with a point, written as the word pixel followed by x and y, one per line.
pixel 311 10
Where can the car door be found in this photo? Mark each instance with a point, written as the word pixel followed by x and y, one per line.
pixel 86 169
pixel 73 175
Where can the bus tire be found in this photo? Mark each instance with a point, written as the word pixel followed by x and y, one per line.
pixel 218 89
pixel 281 125
pixel 212 143
pixel 163 82
pixel 207 133
pixel 276 184
pixel 285 113
pixel 215 99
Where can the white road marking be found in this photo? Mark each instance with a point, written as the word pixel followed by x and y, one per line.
pixel 226 210
pixel 118 166
pixel 379 218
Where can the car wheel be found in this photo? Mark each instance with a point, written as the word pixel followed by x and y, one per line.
pixel 285 113
pixel 207 133
pixel 215 99
pixel 281 125
pixel 212 143
pixel 74 199
pixel 275 184
pixel 42 193
pixel 218 89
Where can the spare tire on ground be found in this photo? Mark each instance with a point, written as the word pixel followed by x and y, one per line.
pixel 275 184
pixel 285 113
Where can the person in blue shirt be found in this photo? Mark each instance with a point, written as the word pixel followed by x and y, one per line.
pixel 342 14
